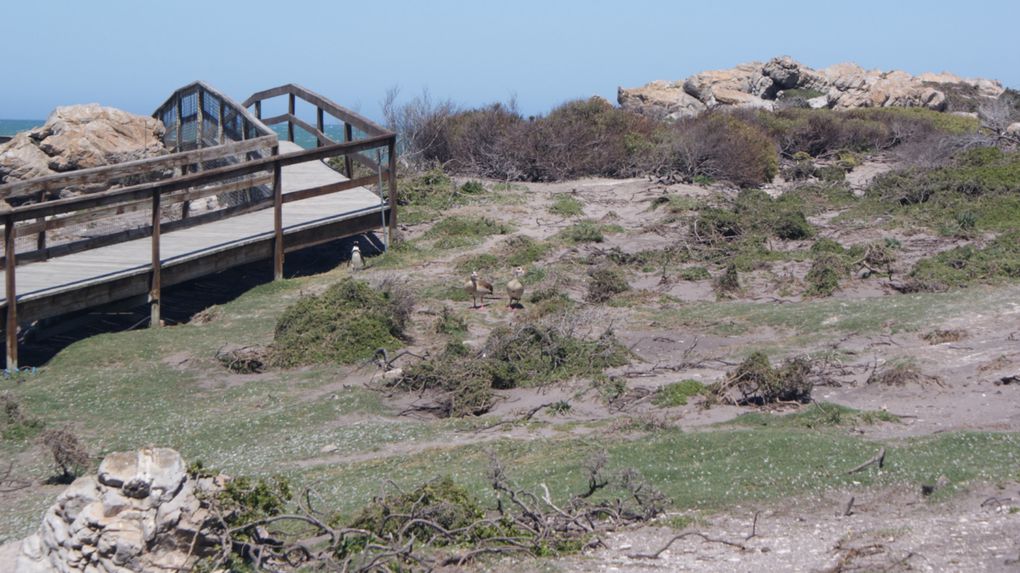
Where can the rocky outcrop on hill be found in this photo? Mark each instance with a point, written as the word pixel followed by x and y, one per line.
pixel 142 512
pixel 842 86
pixel 79 137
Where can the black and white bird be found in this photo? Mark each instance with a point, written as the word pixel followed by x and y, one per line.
pixel 356 261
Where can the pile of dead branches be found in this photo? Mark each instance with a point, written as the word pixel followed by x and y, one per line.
pixel 438 524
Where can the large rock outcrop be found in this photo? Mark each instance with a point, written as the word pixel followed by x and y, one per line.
pixel 79 137
pixel 842 86
pixel 142 512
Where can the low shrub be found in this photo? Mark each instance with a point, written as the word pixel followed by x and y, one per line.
pixel 728 283
pixel 439 501
pixel 586 231
pixel 345 324
pixel 522 354
pixel 69 455
pixel 825 274
pixel 943 335
pixel 901 373
pixel 604 283
pixel 451 323
pixel 15 423
pixel 757 382
pixel 967 265
pixel 719 146
pixel 694 274
pixel 565 205
pixel 678 393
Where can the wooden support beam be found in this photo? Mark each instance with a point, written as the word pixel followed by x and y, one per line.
pixel 12 295
pixel 258 112
pixel 348 137
pixel 154 281
pixel 391 150
pixel 290 124
pixel 277 218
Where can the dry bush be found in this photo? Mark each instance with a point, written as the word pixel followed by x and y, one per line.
pixel 604 283
pixel 437 526
pixel 243 359
pixel 902 373
pixel 943 335
pixel 69 454
pixel 758 382
pixel 528 353
pixel 420 125
pixel 718 145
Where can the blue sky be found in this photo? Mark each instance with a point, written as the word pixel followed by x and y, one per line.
pixel 132 54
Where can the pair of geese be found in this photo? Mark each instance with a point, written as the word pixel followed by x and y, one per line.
pixel 478 288
pixel 474 286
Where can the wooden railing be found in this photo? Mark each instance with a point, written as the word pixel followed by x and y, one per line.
pixel 351 120
pixel 247 171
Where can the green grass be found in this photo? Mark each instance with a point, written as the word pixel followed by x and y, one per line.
pixel 827 317
pixel 588 231
pixel 678 393
pixel 815 416
pixel 565 205
pixel 963 266
pixel 701 470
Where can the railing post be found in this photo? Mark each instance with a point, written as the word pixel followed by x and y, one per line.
pixel 258 111
pixel 180 119
pixel 320 125
pixel 40 240
pixel 277 217
pixel 391 151
pixel 200 118
pixel 348 137
pixel 12 297
pixel 157 264
pixel 219 120
pixel 290 124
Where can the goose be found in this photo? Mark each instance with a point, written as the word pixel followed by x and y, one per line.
pixel 356 262
pixel 477 288
pixel 515 289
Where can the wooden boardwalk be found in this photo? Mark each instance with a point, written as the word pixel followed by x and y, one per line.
pixel 146 235
pixel 190 246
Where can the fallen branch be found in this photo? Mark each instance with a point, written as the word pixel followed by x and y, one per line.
pixel 879 459
pixel 676 538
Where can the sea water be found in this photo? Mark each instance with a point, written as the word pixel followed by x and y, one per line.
pixel 9 127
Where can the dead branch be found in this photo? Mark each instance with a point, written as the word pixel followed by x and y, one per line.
pixel 879 459
pixel 704 538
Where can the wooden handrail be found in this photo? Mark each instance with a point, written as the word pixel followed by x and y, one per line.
pixel 108 173
pixel 145 190
pixel 343 114
pixel 322 138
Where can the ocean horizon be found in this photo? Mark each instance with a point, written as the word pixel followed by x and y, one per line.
pixel 11 127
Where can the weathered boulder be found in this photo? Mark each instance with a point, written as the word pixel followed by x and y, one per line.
pixel 661 98
pixel 79 137
pixel 143 512
pixel 844 86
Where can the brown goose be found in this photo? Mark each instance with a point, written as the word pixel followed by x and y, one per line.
pixel 477 288
pixel 515 289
